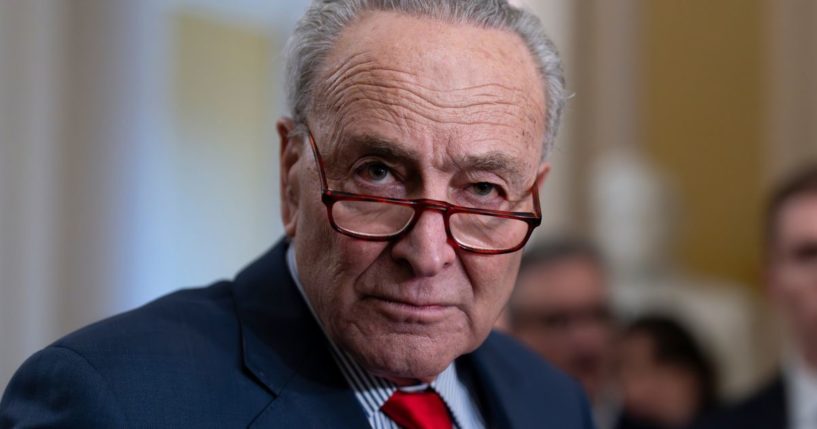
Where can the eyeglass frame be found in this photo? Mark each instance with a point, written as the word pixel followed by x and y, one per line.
pixel 329 197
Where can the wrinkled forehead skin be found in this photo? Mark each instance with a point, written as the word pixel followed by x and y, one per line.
pixel 452 87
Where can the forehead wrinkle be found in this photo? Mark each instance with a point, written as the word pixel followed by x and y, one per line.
pixel 355 60
pixel 389 116
pixel 348 117
pixel 360 63
pixel 370 72
pixel 359 77
pixel 378 81
pixel 464 101
pixel 357 103
pixel 340 76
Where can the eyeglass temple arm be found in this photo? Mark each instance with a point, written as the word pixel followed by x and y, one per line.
pixel 319 160
pixel 537 207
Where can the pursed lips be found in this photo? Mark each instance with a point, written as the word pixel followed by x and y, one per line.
pixel 405 309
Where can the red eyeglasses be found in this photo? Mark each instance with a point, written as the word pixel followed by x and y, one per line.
pixel 378 218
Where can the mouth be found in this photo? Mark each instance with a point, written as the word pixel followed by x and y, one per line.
pixel 406 311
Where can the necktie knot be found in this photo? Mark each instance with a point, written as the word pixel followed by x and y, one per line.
pixel 418 410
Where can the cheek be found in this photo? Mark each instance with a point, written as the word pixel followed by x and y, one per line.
pixel 323 256
pixel 492 279
pixel 796 294
pixel 335 271
pixel 355 257
pixel 342 260
pixel 804 303
pixel 598 336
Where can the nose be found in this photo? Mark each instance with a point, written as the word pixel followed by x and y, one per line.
pixel 587 337
pixel 425 248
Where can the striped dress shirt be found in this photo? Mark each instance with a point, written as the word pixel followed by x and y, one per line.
pixel 372 391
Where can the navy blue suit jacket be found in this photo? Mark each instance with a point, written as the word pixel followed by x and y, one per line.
pixel 247 353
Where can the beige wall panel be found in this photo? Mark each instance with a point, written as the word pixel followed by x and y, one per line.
pixel 702 123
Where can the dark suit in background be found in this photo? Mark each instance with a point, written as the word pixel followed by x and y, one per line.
pixel 247 353
pixel 765 409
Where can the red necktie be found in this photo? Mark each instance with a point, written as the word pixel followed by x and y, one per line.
pixel 418 410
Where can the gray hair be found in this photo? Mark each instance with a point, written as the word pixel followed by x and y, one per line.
pixel 317 31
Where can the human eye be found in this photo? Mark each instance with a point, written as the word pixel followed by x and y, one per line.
pixel 485 195
pixel 375 172
pixel 377 177
pixel 484 189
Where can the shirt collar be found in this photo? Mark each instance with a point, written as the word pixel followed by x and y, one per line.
pixel 802 389
pixel 372 391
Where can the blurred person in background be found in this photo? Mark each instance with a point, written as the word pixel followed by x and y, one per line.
pixel 665 379
pixel 410 169
pixel 561 309
pixel 789 400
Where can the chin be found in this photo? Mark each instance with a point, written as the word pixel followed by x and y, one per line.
pixel 405 356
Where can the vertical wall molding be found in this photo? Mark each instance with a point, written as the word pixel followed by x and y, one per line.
pixel 606 107
pixel 30 94
pixel 792 98
pixel 557 192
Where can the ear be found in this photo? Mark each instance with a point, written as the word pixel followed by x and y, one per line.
pixel 541 175
pixel 290 155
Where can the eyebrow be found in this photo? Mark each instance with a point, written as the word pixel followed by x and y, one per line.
pixel 377 146
pixel 498 162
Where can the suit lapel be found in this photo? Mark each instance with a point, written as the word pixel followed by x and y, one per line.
pixel 495 405
pixel 286 351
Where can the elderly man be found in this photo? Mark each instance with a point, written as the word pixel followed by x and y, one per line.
pixel 409 175
pixel 790 400
pixel 561 309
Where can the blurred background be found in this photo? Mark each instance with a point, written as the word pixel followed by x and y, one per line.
pixel 138 155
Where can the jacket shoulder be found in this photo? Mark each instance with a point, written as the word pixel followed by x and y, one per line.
pixel 174 323
pixel 523 366
pixel 174 356
pixel 56 387
pixel 534 393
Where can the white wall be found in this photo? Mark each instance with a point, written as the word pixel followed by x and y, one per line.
pixel 96 210
pixel 79 112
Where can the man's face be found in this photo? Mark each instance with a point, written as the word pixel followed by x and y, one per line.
pixel 793 267
pixel 661 393
pixel 421 109
pixel 561 311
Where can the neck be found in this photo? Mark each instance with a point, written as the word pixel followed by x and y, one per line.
pixel 403 382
